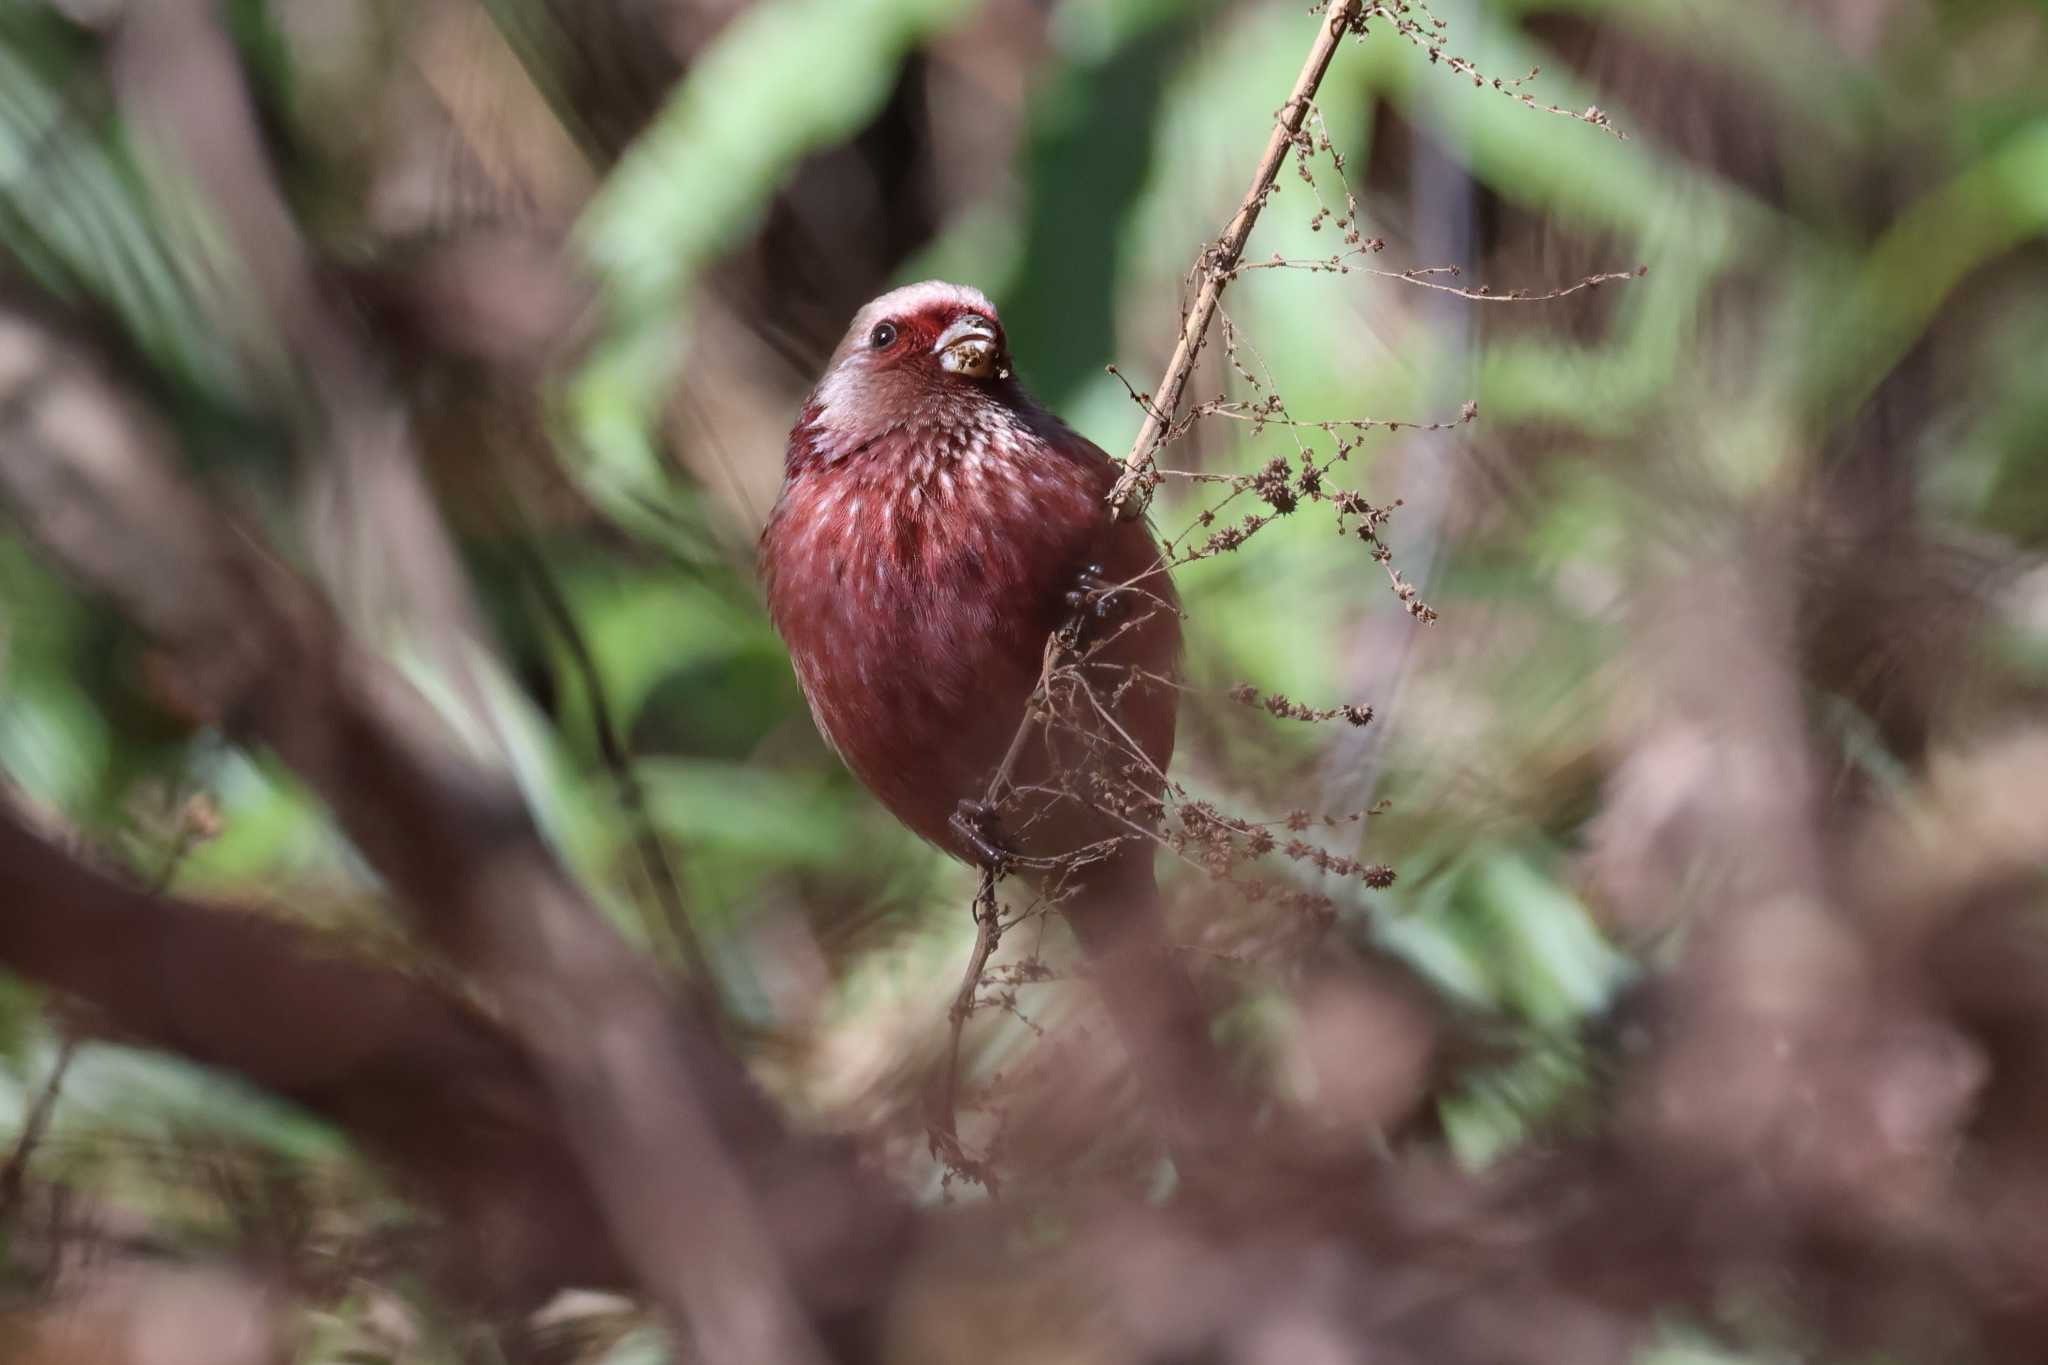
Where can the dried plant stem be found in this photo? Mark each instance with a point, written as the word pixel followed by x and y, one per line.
pixel 1218 266
pixel 942 1117
pixel 999 781
pixel 943 1122
pixel 1219 260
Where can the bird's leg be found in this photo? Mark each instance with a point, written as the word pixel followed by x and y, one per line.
pixel 1094 594
pixel 975 823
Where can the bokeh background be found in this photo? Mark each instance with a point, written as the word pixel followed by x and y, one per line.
pixel 1707 1016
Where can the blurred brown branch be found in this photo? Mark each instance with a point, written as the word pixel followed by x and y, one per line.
pixel 427 1083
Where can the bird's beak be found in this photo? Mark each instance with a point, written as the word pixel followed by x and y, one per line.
pixel 969 348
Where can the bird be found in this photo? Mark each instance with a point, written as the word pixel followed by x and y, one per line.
pixel 936 527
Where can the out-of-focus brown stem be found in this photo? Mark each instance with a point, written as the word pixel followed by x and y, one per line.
pixel 1219 259
pixel 426 1083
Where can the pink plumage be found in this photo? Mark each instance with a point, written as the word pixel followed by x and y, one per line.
pixel 931 525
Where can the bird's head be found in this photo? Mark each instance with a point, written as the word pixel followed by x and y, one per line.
pixel 936 331
pixel 926 350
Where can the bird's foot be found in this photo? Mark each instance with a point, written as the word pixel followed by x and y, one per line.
pixel 975 823
pixel 1095 595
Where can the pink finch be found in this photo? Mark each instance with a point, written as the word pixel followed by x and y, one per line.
pixel 936 526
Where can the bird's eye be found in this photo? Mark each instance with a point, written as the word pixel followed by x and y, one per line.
pixel 883 336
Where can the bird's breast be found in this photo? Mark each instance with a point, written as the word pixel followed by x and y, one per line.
pixel 915 589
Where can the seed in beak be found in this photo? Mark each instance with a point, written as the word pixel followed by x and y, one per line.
pixel 968 348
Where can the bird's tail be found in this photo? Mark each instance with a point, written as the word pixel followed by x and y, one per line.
pixel 1120 923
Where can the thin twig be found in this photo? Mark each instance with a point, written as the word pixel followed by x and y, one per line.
pixel 941 1127
pixel 1219 261
pixel 1054 647
pixel 943 1124
pixel 1420 277
pixel 1218 265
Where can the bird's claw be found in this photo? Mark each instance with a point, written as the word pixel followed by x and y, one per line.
pixel 975 823
pixel 1094 594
